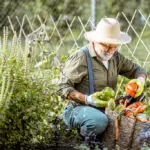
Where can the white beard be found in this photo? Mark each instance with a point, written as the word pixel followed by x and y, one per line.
pixel 105 57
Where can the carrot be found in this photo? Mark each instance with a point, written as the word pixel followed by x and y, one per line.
pixel 117 129
pixel 125 104
pixel 129 114
pixel 140 109
pixel 137 107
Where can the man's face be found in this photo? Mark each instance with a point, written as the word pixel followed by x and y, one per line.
pixel 105 51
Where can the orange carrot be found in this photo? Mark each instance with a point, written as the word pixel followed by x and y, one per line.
pixel 140 109
pixel 137 107
pixel 117 129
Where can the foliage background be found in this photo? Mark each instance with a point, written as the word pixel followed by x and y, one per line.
pixel 28 102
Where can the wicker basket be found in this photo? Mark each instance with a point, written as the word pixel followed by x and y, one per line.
pixel 128 130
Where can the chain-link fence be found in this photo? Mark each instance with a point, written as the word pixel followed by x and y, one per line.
pixel 66 34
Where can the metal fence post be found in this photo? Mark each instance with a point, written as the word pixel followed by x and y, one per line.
pixel 93 13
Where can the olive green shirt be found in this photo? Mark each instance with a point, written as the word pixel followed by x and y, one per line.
pixel 75 73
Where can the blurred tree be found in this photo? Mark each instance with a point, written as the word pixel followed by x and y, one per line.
pixel 54 8
pixel 68 9
pixel 8 8
pixel 145 5
pixel 111 9
pixel 43 8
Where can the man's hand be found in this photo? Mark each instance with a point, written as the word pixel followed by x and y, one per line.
pixel 93 101
pixel 134 87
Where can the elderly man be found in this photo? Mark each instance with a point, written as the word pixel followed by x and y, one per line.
pixel 82 111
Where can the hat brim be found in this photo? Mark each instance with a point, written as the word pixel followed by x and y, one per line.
pixel 93 36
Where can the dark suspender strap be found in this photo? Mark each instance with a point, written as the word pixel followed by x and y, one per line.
pixel 90 73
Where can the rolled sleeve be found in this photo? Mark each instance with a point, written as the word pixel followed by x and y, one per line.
pixel 129 69
pixel 74 71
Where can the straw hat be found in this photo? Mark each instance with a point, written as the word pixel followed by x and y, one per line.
pixel 108 31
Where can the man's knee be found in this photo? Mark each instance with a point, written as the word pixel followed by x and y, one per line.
pixel 95 125
pixel 101 123
pixel 90 120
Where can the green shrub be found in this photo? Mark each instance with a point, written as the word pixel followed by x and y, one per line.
pixel 28 103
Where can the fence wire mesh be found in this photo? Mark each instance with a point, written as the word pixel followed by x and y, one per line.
pixel 64 35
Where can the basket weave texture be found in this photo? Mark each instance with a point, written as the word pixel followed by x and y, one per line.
pixel 128 131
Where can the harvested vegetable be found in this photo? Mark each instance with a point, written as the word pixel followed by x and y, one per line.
pixel 103 97
pixel 101 103
pixel 137 107
pixel 111 104
pixel 106 94
pixel 119 108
